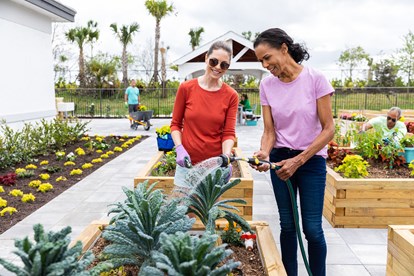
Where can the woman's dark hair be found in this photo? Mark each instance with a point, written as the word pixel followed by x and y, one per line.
pixel 245 96
pixel 275 37
pixel 219 45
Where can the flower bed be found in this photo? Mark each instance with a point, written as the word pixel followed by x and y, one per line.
pixel 265 242
pixel 400 259
pixel 244 190
pixel 368 203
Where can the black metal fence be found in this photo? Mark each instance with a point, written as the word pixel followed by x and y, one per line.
pixel 109 103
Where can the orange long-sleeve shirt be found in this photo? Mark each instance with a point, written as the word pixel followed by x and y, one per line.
pixel 205 118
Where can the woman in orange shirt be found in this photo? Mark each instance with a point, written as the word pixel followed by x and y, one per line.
pixel 204 116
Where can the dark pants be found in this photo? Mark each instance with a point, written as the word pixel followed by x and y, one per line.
pixel 309 180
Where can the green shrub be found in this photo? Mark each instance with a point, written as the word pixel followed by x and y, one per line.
pixel 50 255
pixel 353 166
pixel 183 254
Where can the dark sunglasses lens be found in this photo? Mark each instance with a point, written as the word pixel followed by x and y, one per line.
pixel 224 65
pixel 392 119
pixel 213 62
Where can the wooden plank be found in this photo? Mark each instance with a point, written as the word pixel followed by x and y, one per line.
pixel 90 234
pixel 371 202
pixel 380 194
pixel 367 221
pixel 397 253
pixel 268 252
pixel 379 212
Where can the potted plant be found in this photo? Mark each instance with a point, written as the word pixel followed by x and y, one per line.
pixel 407 142
pixel 164 139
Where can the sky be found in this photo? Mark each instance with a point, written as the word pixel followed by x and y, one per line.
pixel 326 27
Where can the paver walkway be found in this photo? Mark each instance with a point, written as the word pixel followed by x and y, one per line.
pixel 350 251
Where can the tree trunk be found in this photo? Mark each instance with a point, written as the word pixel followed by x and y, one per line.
pixel 157 43
pixel 81 75
pixel 124 67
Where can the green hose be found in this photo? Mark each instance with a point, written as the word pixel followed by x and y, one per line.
pixel 296 220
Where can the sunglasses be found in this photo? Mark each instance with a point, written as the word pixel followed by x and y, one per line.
pixel 223 65
pixel 392 119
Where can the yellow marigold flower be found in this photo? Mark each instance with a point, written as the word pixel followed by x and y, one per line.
pixel 79 151
pixel 117 149
pixel 97 160
pixel 99 139
pixel 354 114
pixel 69 163
pixel 76 172
pixel 157 164
pixel 44 162
pixel 125 136
pixel 402 119
pixel 122 139
pixel 1 189
pixel 109 152
pixel 85 138
pixel 28 197
pixel 16 192
pixel 20 170
pixel 44 176
pixel 61 178
pixel 10 210
pixel 99 151
pixel 124 145
pixel 35 183
pixel 138 137
pixel 31 167
pixel 104 155
pixel 3 202
pixel 87 166
pixel 45 187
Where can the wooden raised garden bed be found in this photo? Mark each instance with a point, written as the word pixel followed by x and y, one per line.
pixel 400 257
pixel 368 203
pixel 243 190
pixel 266 244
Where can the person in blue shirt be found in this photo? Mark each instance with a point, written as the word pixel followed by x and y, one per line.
pixel 132 98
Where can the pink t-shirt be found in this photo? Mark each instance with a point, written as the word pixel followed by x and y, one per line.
pixel 294 108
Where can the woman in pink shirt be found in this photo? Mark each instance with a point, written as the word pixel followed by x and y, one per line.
pixel 298 124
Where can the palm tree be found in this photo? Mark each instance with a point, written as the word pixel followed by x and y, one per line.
pixel 158 9
pixel 195 34
pixel 125 34
pixel 81 36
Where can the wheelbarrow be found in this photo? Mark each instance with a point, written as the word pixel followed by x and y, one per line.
pixel 141 118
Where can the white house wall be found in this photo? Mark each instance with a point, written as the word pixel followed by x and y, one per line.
pixel 26 65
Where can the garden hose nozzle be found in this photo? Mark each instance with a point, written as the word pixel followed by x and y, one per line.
pixel 187 163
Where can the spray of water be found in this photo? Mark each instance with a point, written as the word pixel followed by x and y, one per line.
pixel 198 172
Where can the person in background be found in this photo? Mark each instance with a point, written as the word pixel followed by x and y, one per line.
pixel 390 126
pixel 203 123
pixel 244 101
pixel 132 98
pixel 296 105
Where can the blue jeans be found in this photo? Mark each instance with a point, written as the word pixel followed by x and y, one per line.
pixel 309 181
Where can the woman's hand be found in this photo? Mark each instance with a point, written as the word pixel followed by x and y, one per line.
pixel 287 168
pixel 261 155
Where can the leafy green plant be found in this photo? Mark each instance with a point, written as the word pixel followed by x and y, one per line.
pixel 203 200
pixel 411 166
pixel 165 165
pixel 139 221
pixel 50 254
pixel 353 166
pixel 52 169
pixel 407 141
pixel 183 254
pixel 231 234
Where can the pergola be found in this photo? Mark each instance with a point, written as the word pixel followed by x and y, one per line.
pixel 244 60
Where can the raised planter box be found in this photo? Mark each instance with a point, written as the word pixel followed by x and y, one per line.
pixel 368 203
pixel 243 190
pixel 400 257
pixel 266 244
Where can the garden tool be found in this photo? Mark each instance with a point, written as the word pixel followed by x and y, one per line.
pixel 226 160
